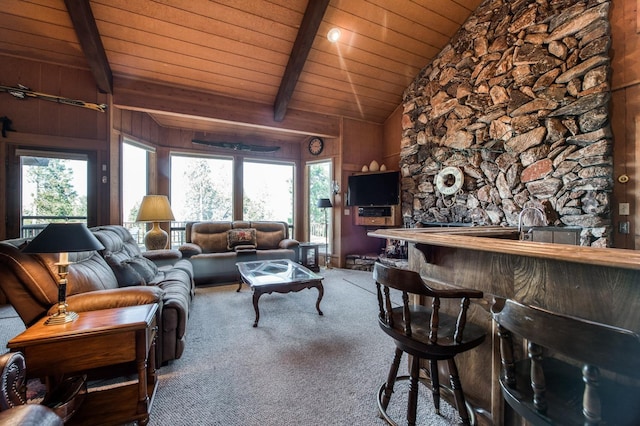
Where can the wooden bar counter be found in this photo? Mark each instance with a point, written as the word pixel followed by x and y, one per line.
pixel 600 284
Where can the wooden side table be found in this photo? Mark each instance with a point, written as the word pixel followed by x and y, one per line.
pixel 97 339
pixel 308 256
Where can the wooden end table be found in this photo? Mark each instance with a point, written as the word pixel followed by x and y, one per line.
pixel 308 255
pixel 97 339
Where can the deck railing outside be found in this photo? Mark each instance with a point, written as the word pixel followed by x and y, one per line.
pixel 32 225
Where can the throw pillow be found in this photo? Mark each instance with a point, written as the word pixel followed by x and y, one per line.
pixel 125 274
pixel 241 236
pixel 146 268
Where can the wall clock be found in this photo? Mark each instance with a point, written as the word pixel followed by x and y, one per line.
pixel 316 145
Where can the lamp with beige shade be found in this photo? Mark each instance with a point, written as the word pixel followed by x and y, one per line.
pixel 155 209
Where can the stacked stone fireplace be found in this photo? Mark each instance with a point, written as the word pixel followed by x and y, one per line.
pixel 519 103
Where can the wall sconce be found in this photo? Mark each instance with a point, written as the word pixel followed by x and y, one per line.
pixel 335 187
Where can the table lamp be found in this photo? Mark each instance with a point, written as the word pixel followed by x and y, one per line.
pixel 325 203
pixel 63 238
pixel 156 209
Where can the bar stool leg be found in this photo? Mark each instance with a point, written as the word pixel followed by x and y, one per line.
pixel 457 392
pixel 413 391
pixel 435 385
pixel 391 379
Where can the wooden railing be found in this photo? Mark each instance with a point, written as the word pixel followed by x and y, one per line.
pixel 138 230
pixel 32 225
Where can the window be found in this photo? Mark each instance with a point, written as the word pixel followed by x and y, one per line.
pixel 268 191
pixel 135 166
pixel 134 173
pixel 53 189
pixel 201 188
pixel 319 181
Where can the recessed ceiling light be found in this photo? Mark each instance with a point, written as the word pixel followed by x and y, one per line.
pixel 334 35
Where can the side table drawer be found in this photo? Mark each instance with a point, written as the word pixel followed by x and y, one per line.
pixel 81 354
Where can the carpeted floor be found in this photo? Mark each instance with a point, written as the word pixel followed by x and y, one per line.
pixel 295 368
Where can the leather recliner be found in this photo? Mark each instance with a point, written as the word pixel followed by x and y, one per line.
pixel 30 284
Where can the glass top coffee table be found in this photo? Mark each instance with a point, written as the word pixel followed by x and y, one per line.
pixel 279 276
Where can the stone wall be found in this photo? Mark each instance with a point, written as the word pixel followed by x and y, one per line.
pixel 518 101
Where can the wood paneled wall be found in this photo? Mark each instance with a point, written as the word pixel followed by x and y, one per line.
pixel 49 118
pixel 362 143
pixel 392 135
pixel 43 124
pixel 625 117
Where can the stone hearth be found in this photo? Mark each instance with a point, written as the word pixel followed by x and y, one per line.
pixel 518 102
pixel 365 262
pixel 360 262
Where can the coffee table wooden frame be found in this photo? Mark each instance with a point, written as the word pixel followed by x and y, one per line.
pixel 262 279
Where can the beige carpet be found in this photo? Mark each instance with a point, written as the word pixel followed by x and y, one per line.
pixel 295 368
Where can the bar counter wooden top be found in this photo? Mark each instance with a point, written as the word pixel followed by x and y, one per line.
pixel 599 284
pixel 505 240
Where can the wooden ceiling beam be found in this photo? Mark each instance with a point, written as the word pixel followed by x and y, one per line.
pixel 302 45
pixel 156 98
pixel 87 31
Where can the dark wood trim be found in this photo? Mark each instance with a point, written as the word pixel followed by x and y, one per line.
pixel 301 47
pixel 85 26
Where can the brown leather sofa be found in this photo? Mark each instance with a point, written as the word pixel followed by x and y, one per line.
pixel 117 276
pixel 214 247
pixel 175 278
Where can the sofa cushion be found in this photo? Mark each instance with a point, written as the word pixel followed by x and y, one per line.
pixel 269 234
pixel 117 241
pixel 143 266
pixel 210 236
pixel 88 272
pixel 241 237
pixel 125 274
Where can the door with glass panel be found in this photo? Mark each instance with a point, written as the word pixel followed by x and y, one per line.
pixel 319 188
pixel 135 186
pixel 53 187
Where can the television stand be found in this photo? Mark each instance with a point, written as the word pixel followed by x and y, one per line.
pixel 377 216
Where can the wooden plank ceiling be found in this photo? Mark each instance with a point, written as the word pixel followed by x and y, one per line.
pixel 270 52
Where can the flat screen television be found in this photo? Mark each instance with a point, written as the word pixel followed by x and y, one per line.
pixel 374 189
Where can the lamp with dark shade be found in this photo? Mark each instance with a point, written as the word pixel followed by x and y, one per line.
pixel 156 209
pixel 63 238
pixel 325 203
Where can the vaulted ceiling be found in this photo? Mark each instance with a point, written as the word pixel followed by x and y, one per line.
pixel 264 53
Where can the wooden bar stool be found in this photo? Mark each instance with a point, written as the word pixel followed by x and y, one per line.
pixel 574 371
pixel 424 333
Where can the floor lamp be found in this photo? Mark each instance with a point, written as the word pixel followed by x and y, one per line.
pixel 325 203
